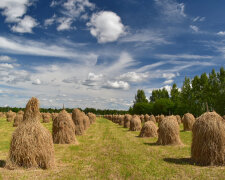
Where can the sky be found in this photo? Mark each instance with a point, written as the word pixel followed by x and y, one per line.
pixel 98 53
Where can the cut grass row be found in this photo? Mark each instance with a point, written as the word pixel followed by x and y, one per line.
pixel 108 151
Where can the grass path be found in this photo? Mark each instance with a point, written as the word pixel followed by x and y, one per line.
pixel 108 151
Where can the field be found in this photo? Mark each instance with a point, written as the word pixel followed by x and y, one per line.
pixel 108 151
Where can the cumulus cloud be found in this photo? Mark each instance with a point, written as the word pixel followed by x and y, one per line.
pixel 117 85
pixel 106 26
pixel 25 25
pixel 14 10
pixel 194 28
pixel 36 82
pixel 93 79
pixel 133 77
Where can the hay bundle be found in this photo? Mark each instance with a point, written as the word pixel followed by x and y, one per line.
pixel 188 121
pixel 135 124
pixel 92 117
pixel 147 117
pixel 142 117
pixel 46 117
pixel 208 140
pixel 2 115
pixel 178 119
pixel 121 120
pixel 63 129
pixel 152 118
pixel 18 119
pixel 160 118
pixel 10 116
pixel 86 121
pixel 149 130
pixel 54 115
pixel 78 121
pixel 169 132
pixel 31 145
pixel 224 117
pixel 127 120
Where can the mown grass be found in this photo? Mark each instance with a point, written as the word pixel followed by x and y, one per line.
pixel 108 151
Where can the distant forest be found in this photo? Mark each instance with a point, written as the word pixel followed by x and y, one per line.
pixel 200 94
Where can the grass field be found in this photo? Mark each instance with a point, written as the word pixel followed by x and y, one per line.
pixel 108 151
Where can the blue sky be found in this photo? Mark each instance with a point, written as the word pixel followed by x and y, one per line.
pixel 95 53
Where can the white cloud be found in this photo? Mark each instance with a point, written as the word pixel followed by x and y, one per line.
pixel 194 28
pixel 6 66
pixel 106 26
pixel 24 46
pixel 198 18
pixel 169 75
pixel 145 36
pixel 133 77
pixel 171 10
pixel 170 81
pixel 6 59
pixel 117 85
pixel 50 21
pixel 14 10
pixel 94 77
pixel 70 11
pixel 65 24
pixel 167 87
pixel 36 82
pixel 182 56
pixel 25 25
pixel 221 33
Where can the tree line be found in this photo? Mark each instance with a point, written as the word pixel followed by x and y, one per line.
pixel 198 95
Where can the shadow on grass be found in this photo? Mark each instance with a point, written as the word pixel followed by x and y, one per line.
pixel 151 144
pixel 2 163
pixel 180 161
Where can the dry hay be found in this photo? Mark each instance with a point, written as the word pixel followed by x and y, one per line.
pixel 142 117
pixel 46 117
pixel 157 118
pixel 147 117
pixel 121 120
pixel 224 117
pixel 127 120
pixel 169 132
pixel 178 119
pixel 152 118
pixel 208 140
pixel 78 121
pixel 18 119
pixel 149 129
pixel 92 117
pixel 10 116
pixel 54 115
pixel 63 129
pixel 188 121
pixel 2 115
pixel 160 118
pixel 86 121
pixel 31 145
pixel 135 124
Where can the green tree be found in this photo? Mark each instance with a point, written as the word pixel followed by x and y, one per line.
pixel 140 97
pixel 158 94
